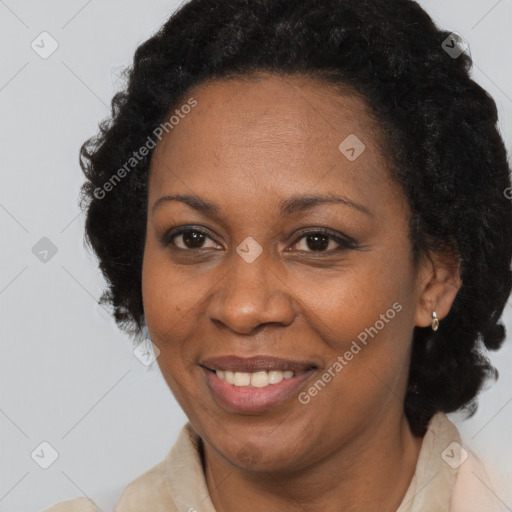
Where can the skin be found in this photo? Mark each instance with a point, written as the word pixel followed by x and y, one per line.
pixel 248 145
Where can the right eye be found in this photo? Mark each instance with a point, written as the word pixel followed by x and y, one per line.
pixel 191 238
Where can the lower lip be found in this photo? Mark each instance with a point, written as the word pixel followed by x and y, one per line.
pixel 252 399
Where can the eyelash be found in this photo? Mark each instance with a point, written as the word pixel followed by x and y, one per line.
pixel 344 242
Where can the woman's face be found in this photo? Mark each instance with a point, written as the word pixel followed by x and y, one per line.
pixel 262 281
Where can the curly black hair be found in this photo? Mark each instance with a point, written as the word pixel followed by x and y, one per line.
pixel 441 140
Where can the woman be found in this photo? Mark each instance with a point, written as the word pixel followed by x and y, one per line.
pixel 305 205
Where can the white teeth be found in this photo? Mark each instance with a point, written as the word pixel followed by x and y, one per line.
pixel 242 379
pixel 275 377
pixel 259 379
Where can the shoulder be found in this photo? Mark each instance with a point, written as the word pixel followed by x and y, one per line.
pixel 449 477
pixel 465 477
pixel 476 488
pixel 174 484
pixel 76 505
pixel 150 487
pixel 154 490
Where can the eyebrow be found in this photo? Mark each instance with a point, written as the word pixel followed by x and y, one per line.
pixel 288 207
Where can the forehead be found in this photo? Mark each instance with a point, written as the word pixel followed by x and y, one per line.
pixel 271 136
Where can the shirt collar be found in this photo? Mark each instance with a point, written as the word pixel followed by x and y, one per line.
pixel 179 479
pixel 440 456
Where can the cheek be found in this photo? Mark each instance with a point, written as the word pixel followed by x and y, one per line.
pixel 164 313
pixel 370 299
pixel 367 324
pixel 168 299
pixel 169 293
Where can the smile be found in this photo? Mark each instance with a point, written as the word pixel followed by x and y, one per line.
pixel 259 379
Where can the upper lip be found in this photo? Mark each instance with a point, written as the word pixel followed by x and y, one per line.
pixel 255 364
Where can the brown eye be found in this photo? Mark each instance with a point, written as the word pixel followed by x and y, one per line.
pixel 317 242
pixel 191 238
pixel 322 241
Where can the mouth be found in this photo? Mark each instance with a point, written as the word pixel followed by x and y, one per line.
pixel 259 379
pixel 254 384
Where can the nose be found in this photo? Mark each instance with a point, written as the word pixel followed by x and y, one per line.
pixel 252 294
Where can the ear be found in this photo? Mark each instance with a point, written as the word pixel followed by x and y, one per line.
pixel 439 282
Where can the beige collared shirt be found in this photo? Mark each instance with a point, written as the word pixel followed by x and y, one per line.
pixel 448 478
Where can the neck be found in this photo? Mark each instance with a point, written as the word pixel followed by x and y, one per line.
pixel 371 473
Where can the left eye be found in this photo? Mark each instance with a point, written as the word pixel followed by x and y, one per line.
pixel 319 241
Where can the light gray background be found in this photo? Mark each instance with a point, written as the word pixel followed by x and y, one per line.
pixel 67 375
